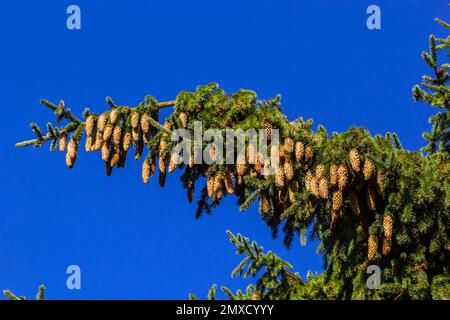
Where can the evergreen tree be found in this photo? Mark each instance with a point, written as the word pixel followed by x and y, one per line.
pixel 364 197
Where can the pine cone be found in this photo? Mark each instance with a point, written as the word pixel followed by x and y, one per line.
pixel 299 151
pixel 309 153
pixel 88 144
pixel 323 188
pixel 372 247
pixel 368 169
pixel 319 170
pixel 115 157
pixel 337 200
pixel 134 119
pixel 210 180
pixel 174 159
pixel 90 122
pixel 218 185
pixel 342 177
pixel 229 182
pixel 259 162
pixel 72 148
pixel 98 141
pixel 354 159
pixel 113 116
pixel 335 215
pixel 117 134
pixel 105 151
pixel 135 133
pixel 293 188
pixel 380 183
pixel 146 170
pixel 288 170
pixel 268 129
pixel 274 155
pixel 279 177
pixel 126 143
pixel 308 178
pixel 388 226
pixel 387 244
pixel 108 132
pixel 264 205
pixel 354 205
pixel 145 123
pixel 62 140
pixel 334 175
pixel 183 119
pixel 370 198
pixel 251 154
pixel 314 185
pixel 288 145
pixel 70 161
pixel 102 121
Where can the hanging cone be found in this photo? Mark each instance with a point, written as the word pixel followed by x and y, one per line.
pixel 342 177
pixel 210 185
pixel 279 177
pixel 288 170
pixel 145 123
pixel 314 185
pixel 126 143
pixel 337 200
pixel 309 153
pixel 299 151
pixel 354 205
pixel 335 215
pixel 105 151
pixel 251 154
pixel 355 162
pixel 218 185
pixel 229 182
pixel 117 134
pixel 308 178
pixel 259 162
pixel 102 121
pixel 135 133
pixel 72 148
pixel 274 154
pixel 334 175
pixel 90 122
pixel 114 114
pixel 372 247
pixel 62 140
pixel 88 144
pixel 264 205
pixel 183 119
pixel 174 159
pixel 387 230
pixel 293 188
pixel 323 188
pixel 370 198
pixel 368 169
pixel 115 157
pixel 145 171
pixel 380 183
pixel 288 145
pixel 108 132
pixel 70 161
pixel 98 141
pixel 134 119
pixel 320 168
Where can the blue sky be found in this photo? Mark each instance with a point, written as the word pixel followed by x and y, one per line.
pixel 136 241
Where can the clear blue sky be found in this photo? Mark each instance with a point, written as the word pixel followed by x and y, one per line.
pixel 140 241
